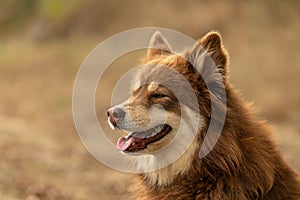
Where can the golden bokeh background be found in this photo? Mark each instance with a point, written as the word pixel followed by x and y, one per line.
pixel 43 43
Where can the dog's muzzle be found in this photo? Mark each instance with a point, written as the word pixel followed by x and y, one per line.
pixel 115 114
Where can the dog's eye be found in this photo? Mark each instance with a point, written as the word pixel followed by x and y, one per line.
pixel 157 96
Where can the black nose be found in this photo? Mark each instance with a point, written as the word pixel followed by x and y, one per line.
pixel 116 112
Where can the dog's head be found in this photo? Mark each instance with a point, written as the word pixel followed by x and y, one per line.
pixel 169 94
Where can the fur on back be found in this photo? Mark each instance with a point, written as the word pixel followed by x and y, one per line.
pixel 244 164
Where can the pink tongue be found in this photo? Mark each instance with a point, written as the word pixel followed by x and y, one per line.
pixel 124 143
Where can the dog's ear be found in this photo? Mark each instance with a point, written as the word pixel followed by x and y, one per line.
pixel 158 45
pixel 209 48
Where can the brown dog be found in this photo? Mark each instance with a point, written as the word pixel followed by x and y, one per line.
pixel 244 163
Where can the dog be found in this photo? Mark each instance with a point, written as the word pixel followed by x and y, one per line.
pixel 163 118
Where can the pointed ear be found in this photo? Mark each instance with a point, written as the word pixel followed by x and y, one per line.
pixel 209 45
pixel 158 45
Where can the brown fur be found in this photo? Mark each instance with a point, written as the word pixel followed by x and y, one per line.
pixel 245 162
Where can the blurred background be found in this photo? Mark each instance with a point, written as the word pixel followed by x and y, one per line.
pixel 43 42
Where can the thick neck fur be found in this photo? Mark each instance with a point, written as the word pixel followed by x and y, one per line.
pixel 244 164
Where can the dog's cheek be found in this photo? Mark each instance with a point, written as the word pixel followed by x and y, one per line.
pixel 139 115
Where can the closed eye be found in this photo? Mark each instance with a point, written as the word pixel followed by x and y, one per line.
pixel 158 95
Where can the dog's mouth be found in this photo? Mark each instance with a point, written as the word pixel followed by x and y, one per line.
pixel 136 141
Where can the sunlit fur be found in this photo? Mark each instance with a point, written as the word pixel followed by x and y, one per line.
pixel 245 162
pixel 147 159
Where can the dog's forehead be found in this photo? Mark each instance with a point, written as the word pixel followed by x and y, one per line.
pixel 151 77
pixel 161 71
pixel 136 85
pixel 152 86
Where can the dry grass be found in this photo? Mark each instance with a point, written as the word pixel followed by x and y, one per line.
pixel 42 156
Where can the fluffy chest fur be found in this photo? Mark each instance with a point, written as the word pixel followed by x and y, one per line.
pixel 244 163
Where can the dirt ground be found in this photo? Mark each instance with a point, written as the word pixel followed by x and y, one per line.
pixel 42 156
